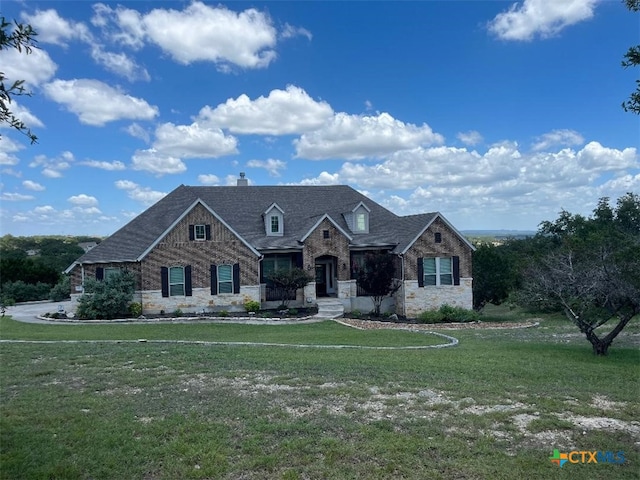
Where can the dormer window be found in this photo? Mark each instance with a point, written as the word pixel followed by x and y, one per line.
pixel 360 219
pixel 274 221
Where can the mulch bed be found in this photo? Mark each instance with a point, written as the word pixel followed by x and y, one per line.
pixel 377 325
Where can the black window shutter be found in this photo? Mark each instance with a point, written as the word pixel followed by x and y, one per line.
pixel 99 273
pixel 299 260
pixel 207 229
pixel 236 278
pixel 188 289
pixel 214 280
pixel 164 280
pixel 456 270
pixel 192 232
pixel 420 273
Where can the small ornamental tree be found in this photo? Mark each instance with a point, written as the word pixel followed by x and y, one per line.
pixel 288 282
pixel 376 277
pixel 107 298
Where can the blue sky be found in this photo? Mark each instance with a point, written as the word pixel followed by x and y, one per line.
pixel 497 114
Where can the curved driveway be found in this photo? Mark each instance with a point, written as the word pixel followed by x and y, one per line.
pixel 28 312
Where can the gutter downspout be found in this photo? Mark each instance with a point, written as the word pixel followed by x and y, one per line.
pixel 404 296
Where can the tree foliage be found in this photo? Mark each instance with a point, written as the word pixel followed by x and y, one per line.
pixel 632 59
pixel 288 282
pixel 593 274
pixel 22 38
pixel 376 277
pixel 108 298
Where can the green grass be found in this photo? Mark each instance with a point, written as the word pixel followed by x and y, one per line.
pixel 493 407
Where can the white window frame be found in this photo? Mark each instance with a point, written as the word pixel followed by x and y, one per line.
pixel 439 273
pixel 276 224
pixel 229 288
pixel 173 284
pixel 200 233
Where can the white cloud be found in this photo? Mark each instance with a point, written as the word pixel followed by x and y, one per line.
pixel 193 141
pixel 155 162
pixel 109 166
pixel 120 64
pixel 289 31
pixel 543 18
pixel 24 114
pixel 7 148
pixel 358 136
pixel 15 197
pixel 53 167
pixel 34 68
pixel 271 165
pixel 569 138
pixel 472 137
pixel 52 28
pixel 208 179
pixel 137 131
pixel 83 200
pixel 96 103
pixel 283 112
pixel 140 194
pixel 34 186
pixel 198 33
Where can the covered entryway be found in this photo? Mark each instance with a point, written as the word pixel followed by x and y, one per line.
pixel 326 279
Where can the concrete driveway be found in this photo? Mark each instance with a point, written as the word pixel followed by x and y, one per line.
pixel 28 312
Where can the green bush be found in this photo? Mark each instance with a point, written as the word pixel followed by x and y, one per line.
pixel 293 312
pixel 252 306
pixel 107 298
pixel 177 312
pixel 135 309
pixel 448 314
pixel 61 290
pixel 223 313
pixel 20 291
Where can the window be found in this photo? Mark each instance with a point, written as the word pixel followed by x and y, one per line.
pixel 225 279
pixel 110 271
pixel 437 237
pixel 325 234
pixel 176 281
pixel 275 224
pixel 361 222
pixel 438 271
pixel 275 262
pixel 200 232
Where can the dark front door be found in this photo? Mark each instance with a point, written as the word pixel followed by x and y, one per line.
pixel 321 280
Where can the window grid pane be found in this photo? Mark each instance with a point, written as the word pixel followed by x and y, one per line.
pixel 176 281
pixel 225 279
pixel 275 224
pixel 200 232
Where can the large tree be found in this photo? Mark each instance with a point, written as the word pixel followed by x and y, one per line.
pixel 22 38
pixel 593 274
pixel 632 59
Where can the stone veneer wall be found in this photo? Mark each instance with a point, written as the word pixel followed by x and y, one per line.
pixel 419 299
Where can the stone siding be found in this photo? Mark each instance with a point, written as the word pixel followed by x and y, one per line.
pixel 419 299
pixel 201 300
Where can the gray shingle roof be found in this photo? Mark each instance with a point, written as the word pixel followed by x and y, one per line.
pixel 242 208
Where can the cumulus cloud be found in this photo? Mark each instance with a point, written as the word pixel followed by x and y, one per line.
pixel 540 18
pixel 471 137
pixel 34 68
pixel 52 28
pixel 15 197
pixel 34 186
pixel 109 166
pixel 7 148
pixel 83 200
pixel 53 167
pixel 569 138
pixel 209 179
pixel 355 137
pixel 198 33
pixel 96 103
pixel 193 141
pixel 271 165
pixel 157 163
pixel 144 195
pixel 282 112
pixel 120 64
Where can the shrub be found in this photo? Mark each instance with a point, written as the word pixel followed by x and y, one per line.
pixel 135 309
pixel 177 312
pixel 447 313
pixel 223 313
pixel 293 311
pixel 252 306
pixel 20 291
pixel 107 298
pixel 61 290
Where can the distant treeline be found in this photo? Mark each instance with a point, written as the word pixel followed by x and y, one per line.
pixel 30 267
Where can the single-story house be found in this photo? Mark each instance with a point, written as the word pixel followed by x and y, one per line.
pixel 210 249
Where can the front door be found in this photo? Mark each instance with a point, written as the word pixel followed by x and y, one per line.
pixel 321 280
